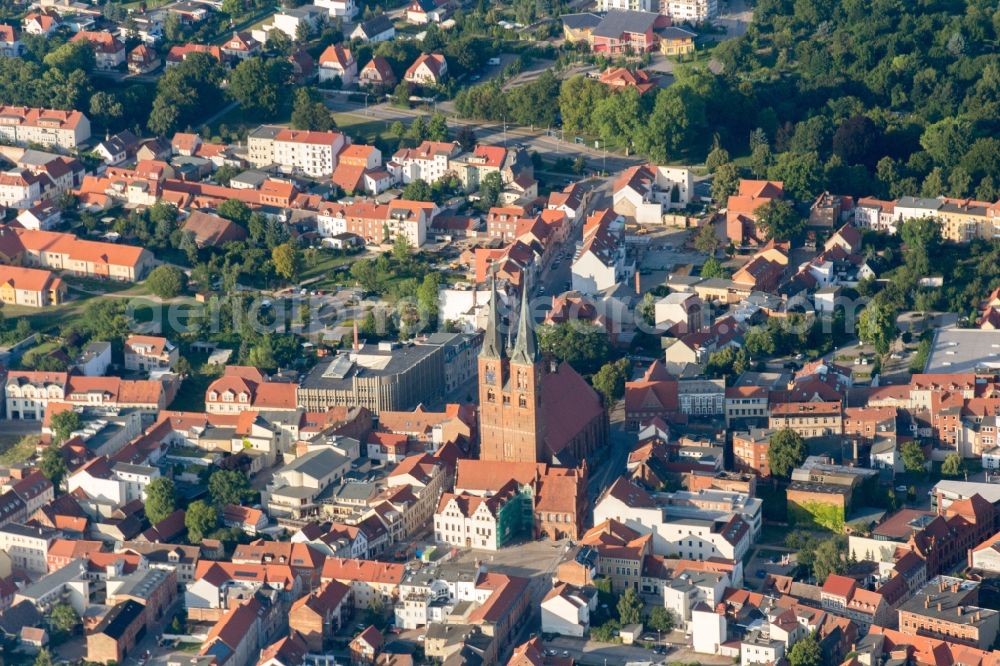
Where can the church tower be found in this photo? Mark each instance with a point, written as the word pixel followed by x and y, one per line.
pixel 511 427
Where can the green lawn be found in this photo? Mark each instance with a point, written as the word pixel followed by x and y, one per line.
pixel 321 270
pixel 94 285
pixel 47 319
pixel 41 350
pixel 364 129
pixel 170 315
pixel 16 448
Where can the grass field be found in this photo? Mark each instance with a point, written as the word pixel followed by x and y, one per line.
pixel 45 320
pixel 322 267
pixel 364 129
pixel 16 448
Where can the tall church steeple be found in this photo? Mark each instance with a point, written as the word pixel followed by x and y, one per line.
pixel 526 347
pixel 492 344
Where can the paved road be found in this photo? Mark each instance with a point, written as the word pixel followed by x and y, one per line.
pixel 22 428
pixel 592 652
pixel 604 472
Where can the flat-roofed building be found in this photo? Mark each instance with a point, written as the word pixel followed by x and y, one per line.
pixel 383 377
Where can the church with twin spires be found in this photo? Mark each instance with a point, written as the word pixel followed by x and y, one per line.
pixel 532 409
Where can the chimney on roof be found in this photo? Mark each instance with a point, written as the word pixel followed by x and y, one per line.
pixel 638 280
pixel 939 606
pixel 355 335
pixel 978 615
pixel 959 611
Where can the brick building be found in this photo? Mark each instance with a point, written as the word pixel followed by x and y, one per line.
pixel 116 635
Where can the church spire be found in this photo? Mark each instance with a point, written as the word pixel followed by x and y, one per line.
pixel 526 347
pixel 492 344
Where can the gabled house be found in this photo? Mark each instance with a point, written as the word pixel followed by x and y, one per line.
pixel 601 262
pixel 422 12
pixel 319 615
pixel 378 74
pixel 619 78
pixel 117 148
pixel 143 60
pixel 241 46
pixel 376 29
pixel 429 69
pixel 109 52
pixel 10 41
pixel 338 62
pixel 40 23
pixel 742 207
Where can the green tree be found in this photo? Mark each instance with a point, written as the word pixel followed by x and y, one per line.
pixel 199 520
pixel 801 172
pixel 760 160
pixel 64 619
pixel 106 109
pixel 607 632
pixel 914 460
pixel 261 355
pixel 287 260
pixel 706 240
pixel 235 210
pixel 728 363
pixel 946 140
pixel 437 128
pixel 309 112
pixel 877 325
pixel 278 42
pixel 778 220
pixel 953 465
pixel 401 95
pixel 166 281
pixel 52 465
pixel 610 380
pixel 490 188
pixel 716 157
pixel 366 273
pixel 160 499
pixel 417 190
pixel 713 268
pixel 229 487
pixel 43 658
pixel 260 85
pixel 787 450
pixel 64 424
pixel 806 652
pixel 184 92
pixel 105 319
pixel 401 248
pixel 725 182
pixel 581 344
pixel 830 557
pixel 759 341
pixel 629 607
pixel 71 56
pixel 660 619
